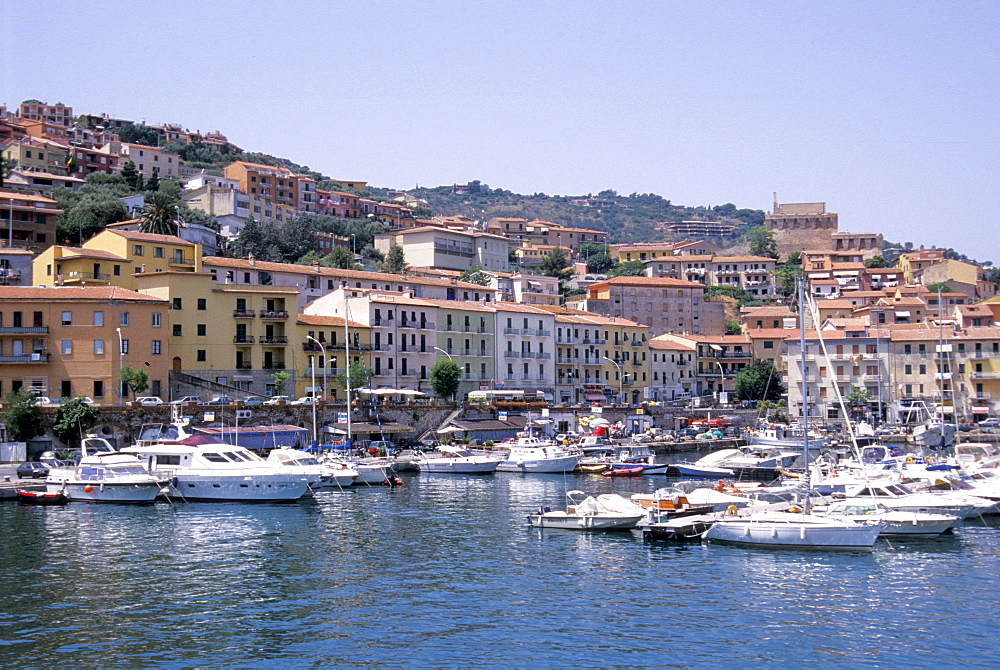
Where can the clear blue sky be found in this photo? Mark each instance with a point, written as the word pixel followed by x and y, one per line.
pixel 887 111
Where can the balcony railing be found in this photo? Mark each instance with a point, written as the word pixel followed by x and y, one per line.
pixel 24 330
pixel 274 339
pixel 245 365
pixel 244 314
pixel 274 314
pixel 243 339
pixel 25 358
pixel 273 366
pixel 182 260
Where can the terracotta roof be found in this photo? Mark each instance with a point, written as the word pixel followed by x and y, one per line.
pixel 78 252
pixel 323 320
pixel 672 345
pixel 74 293
pixel 766 311
pixel 838 303
pixel 467 305
pixel 769 333
pixel 663 282
pixel 742 259
pixel 518 307
pixel 150 237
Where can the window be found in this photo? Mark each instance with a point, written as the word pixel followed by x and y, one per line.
pixel 98 388
pixel 202 329
pixel 769 344
pixel 67 318
pixel 201 304
pixel 157 252
pixel 124 346
pixel 156 347
pixel 137 250
pixel 116 270
pixel 123 318
pixel 202 355
pixel 98 318
pixel 99 347
pixel 67 347
pixel 156 320
pixel 176 304
pixel 176 332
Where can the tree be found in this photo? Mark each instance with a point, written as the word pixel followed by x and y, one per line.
pixel 73 418
pixel 250 240
pixel 22 418
pixel 159 215
pixel 939 287
pixel 738 293
pixel 359 377
pixel 475 275
pixel 554 264
pixel 762 242
pixel 395 261
pixel 445 375
pixel 600 263
pixel 153 183
pixel 628 269
pixel 877 262
pixel 131 175
pixel 279 378
pixel 733 327
pixel 858 397
pixel 759 381
pixel 136 381
pixel 340 257
pixel 785 277
pixel 369 251
pixel 89 215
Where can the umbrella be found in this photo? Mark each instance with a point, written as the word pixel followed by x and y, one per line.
pixel 385 391
pixel 449 429
pixel 409 392
pixel 364 389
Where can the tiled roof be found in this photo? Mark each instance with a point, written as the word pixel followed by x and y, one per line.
pixel 74 293
pixel 323 320
pixel 663 282
pixel 150 237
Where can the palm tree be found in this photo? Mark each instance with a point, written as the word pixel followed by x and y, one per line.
pixel 159 215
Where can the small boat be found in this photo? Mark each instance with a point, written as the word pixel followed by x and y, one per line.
pixel 623 472
pixel 669 503
pixel 40 496
pixel 788 529
pixel 456 460
pixel 606 512
pixel 530 454
pixel 695 470
pixel 106 476
pixel 592 468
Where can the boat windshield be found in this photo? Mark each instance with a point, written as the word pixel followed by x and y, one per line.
pixel 215 457
pixel 236 457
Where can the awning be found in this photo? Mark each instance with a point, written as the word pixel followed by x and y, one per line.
pixel 386 427
pixel 905 313
pixel 242 378
pixel 595 397
pixel 980 410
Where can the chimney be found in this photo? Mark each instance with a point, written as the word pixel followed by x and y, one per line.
pixel 253 261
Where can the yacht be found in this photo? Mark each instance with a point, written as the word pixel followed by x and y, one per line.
pixel 104 475
pixel 321 475
pixel 605 512
pixel 894 522
pixel 530 454
pixel 200 468
pixel 899 497
pixel 456 460
pixel 789 529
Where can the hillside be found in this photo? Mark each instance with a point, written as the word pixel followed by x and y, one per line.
pixel 630 218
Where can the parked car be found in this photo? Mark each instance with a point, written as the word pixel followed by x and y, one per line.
pixel 304 400
pixel 186 399
pixel 276 400
pixel 149 400
pixel 32 470
pixel 253 401
pixel 992 422
pixel 45 401
pixel 222 400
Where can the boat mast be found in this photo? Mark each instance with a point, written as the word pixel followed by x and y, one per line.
pixel 347 368
pixel 805 391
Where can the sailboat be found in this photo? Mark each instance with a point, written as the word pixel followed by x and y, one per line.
pixel 790 529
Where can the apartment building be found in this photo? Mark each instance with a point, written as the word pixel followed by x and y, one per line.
pixel 36 110
pixel 671 369
pixel 38 155
pixel 68 342
pixel 145 158
pixel 525 350
pixel 27 220
pixel 435 247
pixel 664 304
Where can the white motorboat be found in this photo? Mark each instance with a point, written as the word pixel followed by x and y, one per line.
pixel 202 469
pixel 107 477
pixel 774 435
pixel 321 475
pixel 530 454
pixel 456 460
pixel 625 456
pixel 605 512
pixel 787 529
pixel 934 433
pixel 748 457
pixel 894 522
pixel 899 497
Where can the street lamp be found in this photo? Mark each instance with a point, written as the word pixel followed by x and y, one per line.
pixel 621 379
pixel 121 364
pixel 323 349
pixel 722 377
pixel 354 247
pixel 445 353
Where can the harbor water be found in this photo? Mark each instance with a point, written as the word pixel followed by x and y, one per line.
pixel 445 571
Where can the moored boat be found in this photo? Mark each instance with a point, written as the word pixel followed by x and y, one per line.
pixel 529 454
pixel 606 512
pixel 456 460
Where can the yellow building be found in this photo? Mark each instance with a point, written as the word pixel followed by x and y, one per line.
pixel 328 355
pixel 67 342
pixel 232 335
pixel 115 257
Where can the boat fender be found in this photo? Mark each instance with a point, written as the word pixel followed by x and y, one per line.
pixel 88 489
pixel 909 460
pixel 928 460
pixel 732 510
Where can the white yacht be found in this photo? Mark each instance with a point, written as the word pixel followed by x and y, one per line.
pixel 602 513
pixel 321 475
pixel 105 476
pixel 530 454
pixel 455 460
pixel 898 497
pixel 788 529
pixel 202 469
pixel 894 522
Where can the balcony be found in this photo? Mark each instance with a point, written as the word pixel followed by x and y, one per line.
pixel 512 354
pixel 544 355
pixel 25 358
pixel 511 331
pixel 567 340
pixel 245 365
pixel 74 277
pixel 243 339
pixel 182 260
pixel 244 314
pixel 273 366
pixel 637 343
pixel 274 339
pixel 274 314
pixel 24 330
pixel 984 375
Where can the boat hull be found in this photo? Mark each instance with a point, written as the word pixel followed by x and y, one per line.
pixel 691 470
pixel 587 522
pixel 118 492
pixel 557 465
pixel 220 488
pixel 791 534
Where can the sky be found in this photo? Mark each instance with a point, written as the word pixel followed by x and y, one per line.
pixel 885 111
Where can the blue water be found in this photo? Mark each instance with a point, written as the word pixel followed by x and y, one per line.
pixel 446 572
